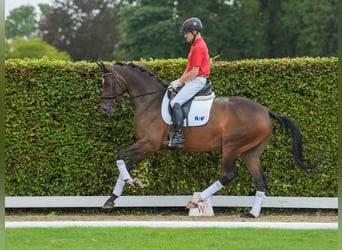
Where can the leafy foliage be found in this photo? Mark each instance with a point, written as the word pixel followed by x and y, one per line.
pixel 142 28
pixel 21 22
pixel 58 143
pixel 131 30
pixel 32 48
pixel 85 29
pixel 307 33
pixel 233 30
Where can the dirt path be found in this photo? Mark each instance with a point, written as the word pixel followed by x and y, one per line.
pixel 274 217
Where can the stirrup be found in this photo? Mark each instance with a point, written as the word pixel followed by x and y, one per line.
pixel 175 143
pixel 170 144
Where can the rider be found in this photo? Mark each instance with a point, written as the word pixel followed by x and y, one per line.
pixel 194 77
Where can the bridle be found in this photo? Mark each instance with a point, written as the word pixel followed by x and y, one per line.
pixel 115 82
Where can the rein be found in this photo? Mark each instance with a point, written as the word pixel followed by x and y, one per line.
pixel 116 81
pixel 149 93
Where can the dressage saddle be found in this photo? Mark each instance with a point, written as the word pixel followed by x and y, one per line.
pixel 206 91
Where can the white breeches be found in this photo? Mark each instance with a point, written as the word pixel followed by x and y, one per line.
pixel 189 90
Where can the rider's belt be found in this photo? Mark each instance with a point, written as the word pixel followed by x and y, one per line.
pixel 205 76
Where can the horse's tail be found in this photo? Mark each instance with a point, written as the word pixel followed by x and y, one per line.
pixel 297 143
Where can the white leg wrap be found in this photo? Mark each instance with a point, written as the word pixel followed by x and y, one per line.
pixel 216 186
pixel 120 183
pixel 258 200
pixel 123 170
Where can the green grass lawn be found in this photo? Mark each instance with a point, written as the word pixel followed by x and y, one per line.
pixel 138 238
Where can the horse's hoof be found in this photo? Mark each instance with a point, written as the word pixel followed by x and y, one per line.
pixel 247 215
pixel 136 183
pixel 108 205
pixel 192 204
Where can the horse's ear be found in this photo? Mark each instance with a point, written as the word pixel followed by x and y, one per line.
pixel 102 66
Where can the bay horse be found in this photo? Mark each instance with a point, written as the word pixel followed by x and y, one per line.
pixel 239 127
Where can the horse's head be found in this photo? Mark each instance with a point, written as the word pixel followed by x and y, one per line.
pixel 112 90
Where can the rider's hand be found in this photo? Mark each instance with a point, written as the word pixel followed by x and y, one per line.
pixel 175 84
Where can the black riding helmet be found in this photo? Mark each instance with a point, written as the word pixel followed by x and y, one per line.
pixel 192 24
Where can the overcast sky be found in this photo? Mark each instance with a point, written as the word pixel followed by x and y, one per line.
pixel 12 4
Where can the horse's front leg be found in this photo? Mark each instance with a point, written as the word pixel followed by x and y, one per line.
pixel 136 156
pixel 124 177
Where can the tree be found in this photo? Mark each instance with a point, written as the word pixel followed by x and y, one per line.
pixel 290 28
pixel 233 30
pixel 134 29
pixel 85 29
pixel 311 27
pixel 152 29
pixel 32 48
pixel 21 22
pixel 148 30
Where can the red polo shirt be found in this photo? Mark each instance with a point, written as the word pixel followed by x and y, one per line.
pixel 199 56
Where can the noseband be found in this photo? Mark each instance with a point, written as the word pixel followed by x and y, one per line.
pixel 114 82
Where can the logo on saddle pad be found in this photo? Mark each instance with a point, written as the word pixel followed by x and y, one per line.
pixel 198 114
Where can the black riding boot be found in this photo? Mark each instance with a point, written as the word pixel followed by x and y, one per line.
pixel 178 118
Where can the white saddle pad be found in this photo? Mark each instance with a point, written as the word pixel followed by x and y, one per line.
pixel 198 114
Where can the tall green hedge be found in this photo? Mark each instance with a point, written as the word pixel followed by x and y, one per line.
pixel 58 143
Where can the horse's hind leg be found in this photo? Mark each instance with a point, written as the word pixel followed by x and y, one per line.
pixel 228 174
pixel 252 160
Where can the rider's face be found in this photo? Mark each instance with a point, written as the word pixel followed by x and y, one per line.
pixel 188 36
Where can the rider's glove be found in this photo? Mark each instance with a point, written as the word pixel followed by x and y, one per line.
pixel 175 84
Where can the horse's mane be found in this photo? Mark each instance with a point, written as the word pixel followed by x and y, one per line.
pixel 143 70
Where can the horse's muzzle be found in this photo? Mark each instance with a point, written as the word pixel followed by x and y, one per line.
pixel 107 108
